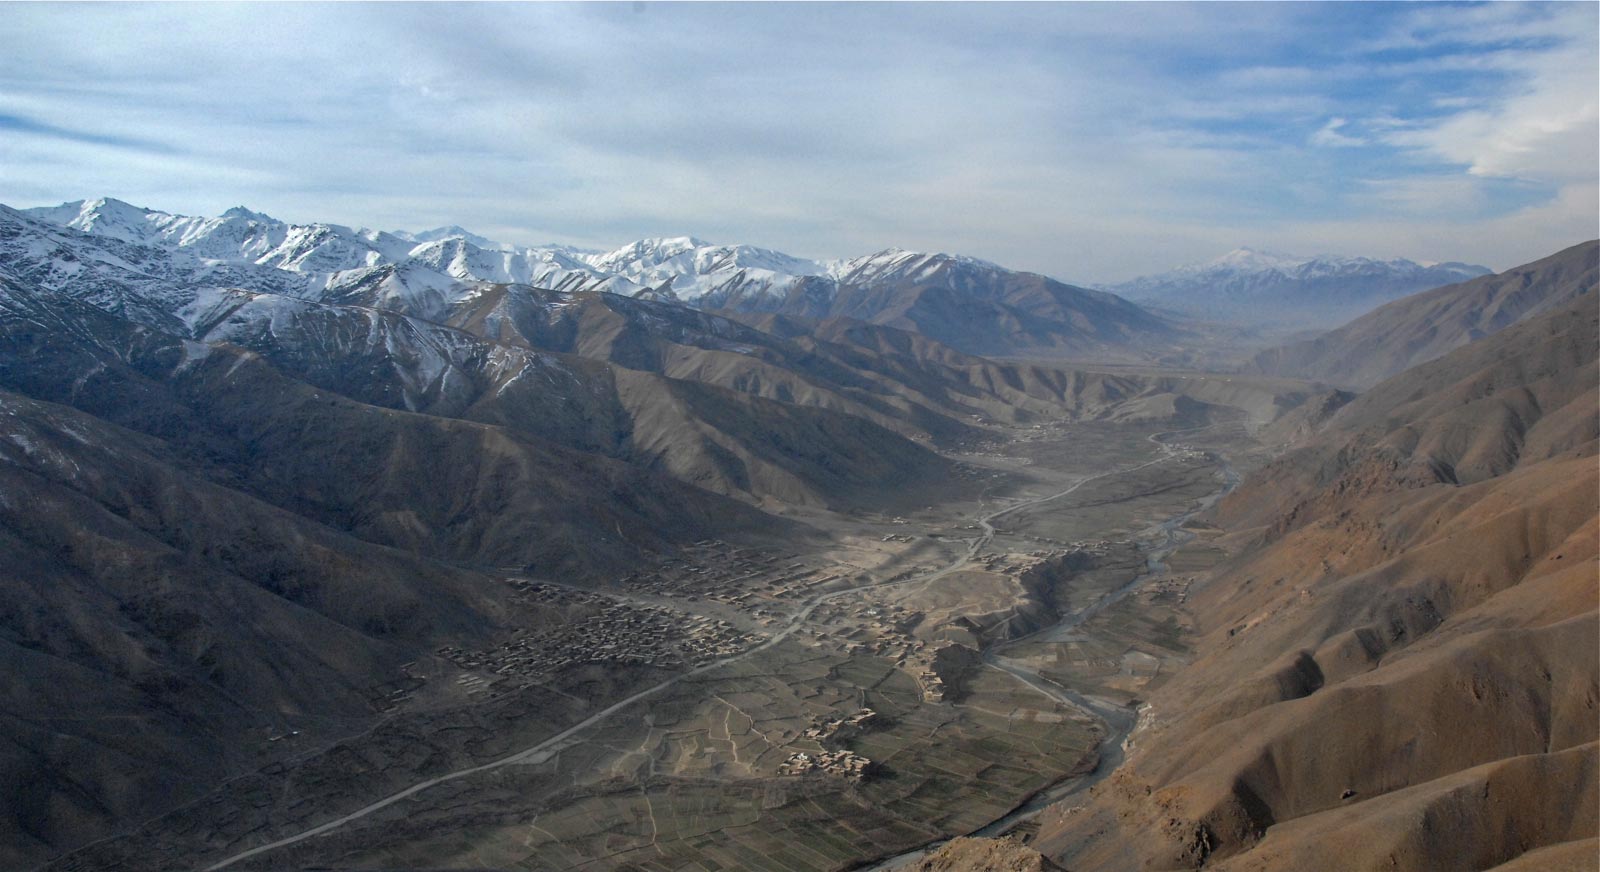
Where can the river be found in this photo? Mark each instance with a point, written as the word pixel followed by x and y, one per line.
pixel 1116 720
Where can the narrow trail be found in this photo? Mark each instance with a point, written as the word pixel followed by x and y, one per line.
pixel 544 750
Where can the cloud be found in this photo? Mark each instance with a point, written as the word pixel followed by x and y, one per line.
pixel 1089 141
pixel 18 124
pixel 1540 124
pixel 1453 197
pixel 1543 132
pixel 1329 135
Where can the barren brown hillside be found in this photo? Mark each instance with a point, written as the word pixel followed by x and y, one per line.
pixel 1424 326
pixel 1400 669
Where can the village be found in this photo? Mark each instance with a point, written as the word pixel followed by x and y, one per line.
pixel 608 631
pixel 848 764
pixel 755 589
pixel 749 579
pixel 843 763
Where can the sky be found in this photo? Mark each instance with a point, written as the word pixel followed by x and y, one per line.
pixel 1089 141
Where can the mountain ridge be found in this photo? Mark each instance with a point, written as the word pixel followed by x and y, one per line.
pixel 1420 327
pixel 1259 287
pixel 970 303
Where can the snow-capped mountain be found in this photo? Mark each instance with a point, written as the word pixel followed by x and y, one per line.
pixel 452 231
pixel 897 264
pixel 237 235
pixel 323 260
pixel 1261 286
pixel 692 269
pixel 969 303
pixel 714 275
pixel 137 280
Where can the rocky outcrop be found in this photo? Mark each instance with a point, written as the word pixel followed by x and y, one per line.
pixel 984 855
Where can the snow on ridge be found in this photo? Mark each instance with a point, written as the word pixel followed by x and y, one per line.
pixel 1244 258
pixel 1251 260
pixel 105 216
pixel 331 256
pixel 691 268
pixel 1249 283
pixel 900 262
pixel 453 231
pixel 249 215
pixel 239 235
pixel 684 266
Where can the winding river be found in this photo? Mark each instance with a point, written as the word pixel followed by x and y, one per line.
pixel 1116 720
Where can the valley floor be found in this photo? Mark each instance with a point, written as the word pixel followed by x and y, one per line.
pixel 920 677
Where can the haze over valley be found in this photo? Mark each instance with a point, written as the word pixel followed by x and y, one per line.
pixel 1038 512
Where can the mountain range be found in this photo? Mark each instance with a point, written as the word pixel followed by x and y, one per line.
pixel 969 304
pixel 1254 287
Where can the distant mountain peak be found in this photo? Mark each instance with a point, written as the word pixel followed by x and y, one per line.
pixel 1252 285
pixel 454 231
pixel 664 243
pixel 901 260
pixel 110 204
pixel 249 215
pixel 1254 258
pixel 106 216
pixel 1406 332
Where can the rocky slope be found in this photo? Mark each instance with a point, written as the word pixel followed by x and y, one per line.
pixel 1424 326
pixel 1398 669
pixel 204 552
pixel 984 855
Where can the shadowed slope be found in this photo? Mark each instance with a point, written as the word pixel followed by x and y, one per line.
pixel 203 552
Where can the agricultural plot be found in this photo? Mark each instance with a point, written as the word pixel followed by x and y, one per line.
pixel 691 781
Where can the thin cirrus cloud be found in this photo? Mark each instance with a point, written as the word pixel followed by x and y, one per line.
pixel 1089 141
pixel 1330 135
